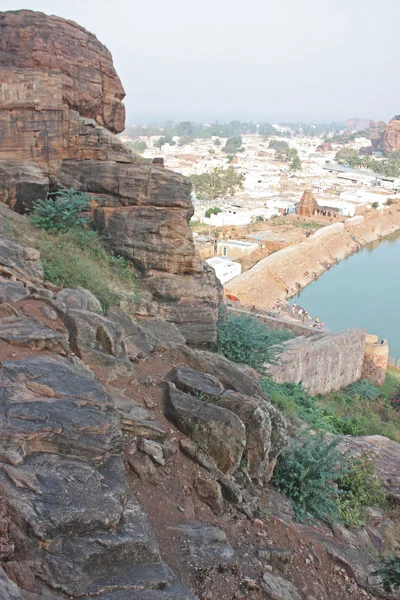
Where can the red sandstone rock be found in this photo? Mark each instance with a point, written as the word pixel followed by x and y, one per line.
pixel 53 76
pixel 90 85
pixel 357 124
pixel 390 140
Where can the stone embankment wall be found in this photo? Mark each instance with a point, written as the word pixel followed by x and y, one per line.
pixel 276 324
pixel 323 363
pixel 376 359
pixel 285 273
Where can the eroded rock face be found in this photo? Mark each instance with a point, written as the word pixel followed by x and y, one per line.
pixel 63 482
pixel 90 84
pixel 60 104
pixel 265 427
pixel 390 140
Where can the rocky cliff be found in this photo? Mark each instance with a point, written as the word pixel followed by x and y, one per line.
pixel 89 83
pixel 390 138
pixel 60 101
pixel 356 124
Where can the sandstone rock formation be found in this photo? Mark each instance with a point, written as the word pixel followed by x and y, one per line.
pixel 90 85
pixel 357 124
pixel 60 98
pixel 390 139
pixel 200 406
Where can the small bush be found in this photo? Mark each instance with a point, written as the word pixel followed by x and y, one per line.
pixel 304 472
pixel 359 488
pixel 389 572
pixel 362 389
pixel 212 211
pixel 62 212
pixel 245 340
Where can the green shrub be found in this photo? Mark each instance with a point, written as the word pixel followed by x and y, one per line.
pixel 78 259
pixel 212 211
pixel 304 472
pixel 389 572
pixel 244 340
pixel 359 488
pixel 62 212
pixel 362 389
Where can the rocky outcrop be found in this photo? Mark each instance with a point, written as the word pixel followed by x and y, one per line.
pixel 357 124
pixel 202 397
pixel 60 102
pixel 67 517
pixel 90 85
pixel 386 456
pixel 390 139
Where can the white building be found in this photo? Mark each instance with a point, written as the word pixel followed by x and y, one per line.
pixel 224 269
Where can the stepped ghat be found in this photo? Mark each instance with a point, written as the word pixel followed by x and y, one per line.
pixel 284 273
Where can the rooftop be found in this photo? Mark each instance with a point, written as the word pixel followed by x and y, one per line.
pixel 237 243
pixel 219 260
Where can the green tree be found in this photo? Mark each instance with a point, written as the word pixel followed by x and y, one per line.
pixel 295 164
pixel 233 145
pixel 138 146
pixel 217 183
pixel 349 157
pixel 217 142
pixel 165 139
pixel 185 139
pixel 366 161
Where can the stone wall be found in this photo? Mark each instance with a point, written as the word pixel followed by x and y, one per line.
pixel 323 363
pixel 375 360
pixel 277 324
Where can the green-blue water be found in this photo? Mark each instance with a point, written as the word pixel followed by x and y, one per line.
pixel 361 291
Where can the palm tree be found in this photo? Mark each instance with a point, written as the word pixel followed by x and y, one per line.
pixel 295 164
pixel 366 161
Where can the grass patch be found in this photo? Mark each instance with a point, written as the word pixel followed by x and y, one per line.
pixel 360 409
pixel 78 259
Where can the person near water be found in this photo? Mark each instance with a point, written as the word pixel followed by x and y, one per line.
pixel 317 320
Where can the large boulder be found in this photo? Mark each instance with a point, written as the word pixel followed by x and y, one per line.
pixel 265 426
pixel 19 262
pixel 230 375
pixel 21 331
pixel 21 184
pixel 145 336
pixel 78 298
pixel 90 85
pixel 220 432
pixel 50 405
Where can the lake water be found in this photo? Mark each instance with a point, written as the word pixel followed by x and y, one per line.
pixel 361 291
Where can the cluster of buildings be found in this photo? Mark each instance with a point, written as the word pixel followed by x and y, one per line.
pixel 322 188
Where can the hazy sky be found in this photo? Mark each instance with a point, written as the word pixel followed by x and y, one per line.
pixel 246 59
